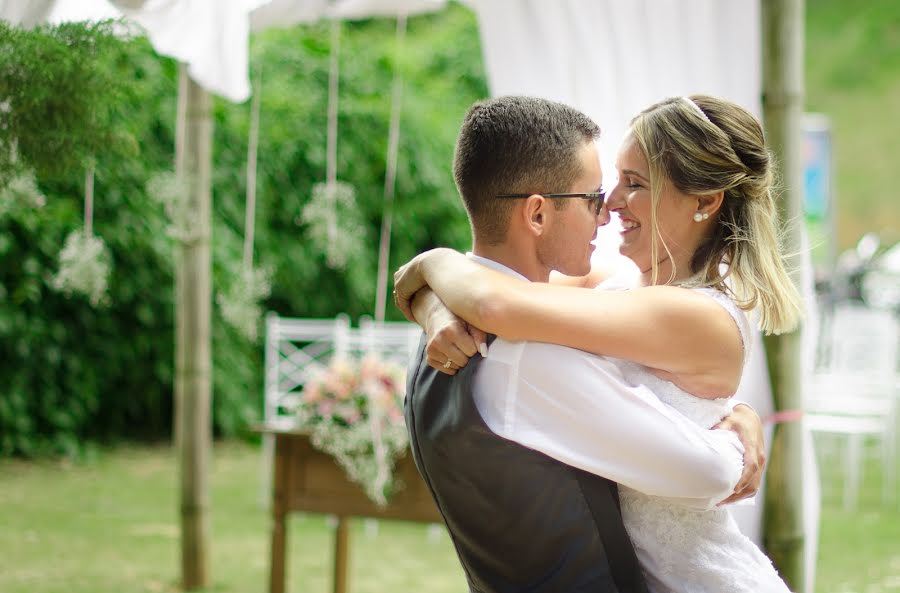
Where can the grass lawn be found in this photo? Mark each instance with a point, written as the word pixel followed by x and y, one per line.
pixel 109 525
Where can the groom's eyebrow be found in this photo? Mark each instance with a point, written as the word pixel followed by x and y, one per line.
pixel 633 172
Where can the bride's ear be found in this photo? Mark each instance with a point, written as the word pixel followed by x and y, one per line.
pixel 711 203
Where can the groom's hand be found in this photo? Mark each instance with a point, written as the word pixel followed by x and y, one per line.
pixel 746 423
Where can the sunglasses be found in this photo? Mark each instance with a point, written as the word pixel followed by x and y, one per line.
pixel 597 197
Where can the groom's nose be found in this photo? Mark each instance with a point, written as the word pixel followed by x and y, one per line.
pixel 603 216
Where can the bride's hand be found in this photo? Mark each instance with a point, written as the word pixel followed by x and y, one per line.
pixel 451 341
pixel 408 280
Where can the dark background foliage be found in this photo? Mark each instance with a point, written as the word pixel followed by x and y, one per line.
pixel 70 373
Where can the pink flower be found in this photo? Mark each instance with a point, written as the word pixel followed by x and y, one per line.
pixel 325 408
pixel 312 392
pixel 368 367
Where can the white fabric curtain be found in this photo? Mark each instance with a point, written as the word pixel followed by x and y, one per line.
pixel 610 58
pixel 210 36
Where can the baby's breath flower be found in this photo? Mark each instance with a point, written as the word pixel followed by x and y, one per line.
pixel 84 267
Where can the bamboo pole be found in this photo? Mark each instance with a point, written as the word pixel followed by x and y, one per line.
pixel 782 70
pixel 193 361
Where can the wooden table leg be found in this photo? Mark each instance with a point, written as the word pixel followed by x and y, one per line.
pixel 341 541
pixel 279 518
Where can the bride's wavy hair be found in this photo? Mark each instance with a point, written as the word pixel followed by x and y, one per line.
pixel 704 145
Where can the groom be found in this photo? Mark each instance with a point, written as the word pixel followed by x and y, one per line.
pixel 522 451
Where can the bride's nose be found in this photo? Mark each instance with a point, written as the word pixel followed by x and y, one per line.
pixel 616 198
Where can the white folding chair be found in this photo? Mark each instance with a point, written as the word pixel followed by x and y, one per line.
pixel 296 349
pixel 395 341
pixel 853 397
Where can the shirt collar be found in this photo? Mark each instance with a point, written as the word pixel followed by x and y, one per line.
pixel 494 265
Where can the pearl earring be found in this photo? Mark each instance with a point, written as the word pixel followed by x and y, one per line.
pixel 698 216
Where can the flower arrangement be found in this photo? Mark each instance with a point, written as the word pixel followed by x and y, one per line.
pixel 335 225
pixel 84 268
pixel 354 412
pixel 240 301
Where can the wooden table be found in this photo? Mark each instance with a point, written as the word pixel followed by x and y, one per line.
pixel 306 479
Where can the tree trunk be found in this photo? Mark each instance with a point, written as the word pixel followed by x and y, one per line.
pixel 782 68
pixel 193 360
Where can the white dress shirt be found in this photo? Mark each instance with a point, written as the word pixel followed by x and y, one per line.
pixel 578 408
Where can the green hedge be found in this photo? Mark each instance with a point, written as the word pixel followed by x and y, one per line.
pixel 70 373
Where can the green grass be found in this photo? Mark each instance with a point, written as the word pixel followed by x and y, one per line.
pixel 859 550
pixel 109 525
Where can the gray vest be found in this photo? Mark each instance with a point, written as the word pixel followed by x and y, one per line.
pixel 520 521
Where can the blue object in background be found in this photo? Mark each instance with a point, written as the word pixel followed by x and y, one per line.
pixel 817 198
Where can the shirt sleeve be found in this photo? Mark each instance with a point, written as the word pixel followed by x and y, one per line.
pixel 577 408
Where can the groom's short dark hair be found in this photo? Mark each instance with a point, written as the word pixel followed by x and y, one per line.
pixel 516 145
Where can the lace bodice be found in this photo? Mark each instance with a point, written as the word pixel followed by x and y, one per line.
pixel 689 551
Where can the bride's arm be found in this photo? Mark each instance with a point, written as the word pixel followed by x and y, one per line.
pixel 677 331
pixel 593 278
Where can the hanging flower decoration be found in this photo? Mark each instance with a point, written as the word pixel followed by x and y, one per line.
pixel 354 412
pixel 84 268
pixel 21 192
pixel 335 224
pixel 169 190
pixel 240 303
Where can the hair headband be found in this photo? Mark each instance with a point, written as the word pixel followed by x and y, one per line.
pixel 697 108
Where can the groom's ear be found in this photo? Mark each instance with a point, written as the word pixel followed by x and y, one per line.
pixel 535 214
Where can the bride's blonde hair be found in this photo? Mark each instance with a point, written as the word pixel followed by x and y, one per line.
pixel 704 145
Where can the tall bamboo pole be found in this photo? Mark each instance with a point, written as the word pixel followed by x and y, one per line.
pixel 193 361
pixel 782 70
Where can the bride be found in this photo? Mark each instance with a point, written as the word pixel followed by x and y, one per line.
pixel 695 201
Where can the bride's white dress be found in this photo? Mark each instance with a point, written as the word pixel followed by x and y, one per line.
pixel 689 551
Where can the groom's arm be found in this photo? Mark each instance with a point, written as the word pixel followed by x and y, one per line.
pixel 578 409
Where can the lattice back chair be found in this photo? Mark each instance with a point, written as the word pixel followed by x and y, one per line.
pixel 395 341
pixel 853 396
pixel 296 349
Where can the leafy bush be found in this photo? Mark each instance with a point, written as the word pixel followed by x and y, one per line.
pixel 70 373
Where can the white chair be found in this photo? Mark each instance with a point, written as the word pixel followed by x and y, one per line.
pixel 396 341
pixel 853 397
pixel 296 349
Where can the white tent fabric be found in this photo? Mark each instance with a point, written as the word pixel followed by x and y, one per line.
pixel 282 13
pixel 26 14
pixel 611 59
pixel 210 36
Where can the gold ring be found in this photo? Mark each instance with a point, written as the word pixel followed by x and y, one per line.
pixel 448 363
